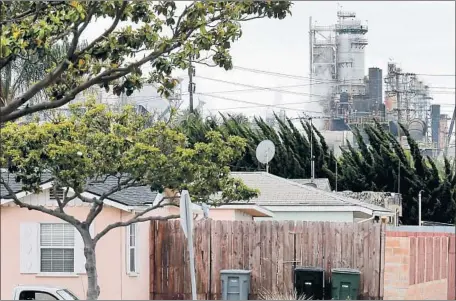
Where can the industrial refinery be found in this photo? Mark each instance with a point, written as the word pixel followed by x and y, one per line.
pixel 351 99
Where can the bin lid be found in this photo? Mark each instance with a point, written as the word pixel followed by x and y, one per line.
pixel 235 272
pixel 345 271
pixel 309 269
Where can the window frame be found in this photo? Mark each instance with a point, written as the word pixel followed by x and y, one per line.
pixel 130 247
pixel 40 248
pixel 37 292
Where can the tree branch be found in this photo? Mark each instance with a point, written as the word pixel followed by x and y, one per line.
pixel 184 13
pixel 138 218
pixel 113 26
pixel 8 113
pixel 133 221
pixel 63 216
pixel 98 206
pixel 33 11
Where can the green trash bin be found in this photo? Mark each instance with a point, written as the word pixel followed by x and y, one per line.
pixel 345 284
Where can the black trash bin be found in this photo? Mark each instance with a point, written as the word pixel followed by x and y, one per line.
pixel 310 281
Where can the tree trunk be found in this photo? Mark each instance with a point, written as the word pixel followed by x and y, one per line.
pixel 93 290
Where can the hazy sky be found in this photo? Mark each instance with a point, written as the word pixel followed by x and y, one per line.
pixel 419 36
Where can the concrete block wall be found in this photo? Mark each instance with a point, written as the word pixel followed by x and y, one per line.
pixel 419 266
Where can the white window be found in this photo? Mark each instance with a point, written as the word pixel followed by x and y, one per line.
pixel 57 248
pixel 51 248
pixel 132 248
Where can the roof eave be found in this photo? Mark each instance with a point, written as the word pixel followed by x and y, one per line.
pixel 23 194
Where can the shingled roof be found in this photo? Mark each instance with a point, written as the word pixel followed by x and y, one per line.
pixel 132 196
pixel 277 191
pixel 10 178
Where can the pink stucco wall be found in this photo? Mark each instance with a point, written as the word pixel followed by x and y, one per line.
pixel 229 215
pixel 111 260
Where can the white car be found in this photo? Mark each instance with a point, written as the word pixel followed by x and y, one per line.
pixel 42 292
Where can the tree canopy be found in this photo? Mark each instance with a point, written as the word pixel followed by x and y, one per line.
pixel 95 144
pixel 164 35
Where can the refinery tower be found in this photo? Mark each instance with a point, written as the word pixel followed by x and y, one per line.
pixel 349 99
pixel 338 82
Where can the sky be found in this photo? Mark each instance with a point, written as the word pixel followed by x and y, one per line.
pixel 419 36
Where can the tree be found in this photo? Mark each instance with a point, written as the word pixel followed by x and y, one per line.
pixel 164 38
pixel 89 147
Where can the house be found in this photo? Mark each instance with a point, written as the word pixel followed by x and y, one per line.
pixel 388 200
pixel 39 249
pixel 289 200
pixel 239 212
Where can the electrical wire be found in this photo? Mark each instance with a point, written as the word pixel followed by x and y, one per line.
pixel 256 103
pixel 258 87
pixel 447 75
pixel 304 77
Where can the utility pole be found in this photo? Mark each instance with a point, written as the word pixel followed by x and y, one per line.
pixel 312 161
pixel 399 117
pixel 191 85
pixel 336 171
pixel 419 208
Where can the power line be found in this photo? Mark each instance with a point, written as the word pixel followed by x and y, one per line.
pixel 258 87
pixel 423 74
pixel 191 85
pixel 304 77
pixel 256 103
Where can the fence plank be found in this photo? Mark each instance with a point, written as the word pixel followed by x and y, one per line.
pixel 159 247
pixel 337 250
pixel 288 256
pixel 375 291
pixel 366 266
pixel 275 256
pixel 216 236
pixel 301 246
pixel 152 259
pixel 245 245
pixel 238 250
pixel 347 245
pixel 255 255
pixel 358 249
pixel 172 257
pixel 328 247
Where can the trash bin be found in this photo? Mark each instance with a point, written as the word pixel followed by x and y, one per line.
pixel 235 284
pixel 345 284
pixel 310 282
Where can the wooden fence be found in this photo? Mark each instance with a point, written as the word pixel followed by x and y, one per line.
pixel 270 249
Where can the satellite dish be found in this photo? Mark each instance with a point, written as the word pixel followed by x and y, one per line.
pixel 265 151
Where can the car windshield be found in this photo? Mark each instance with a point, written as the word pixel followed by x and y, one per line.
pixel 67 295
